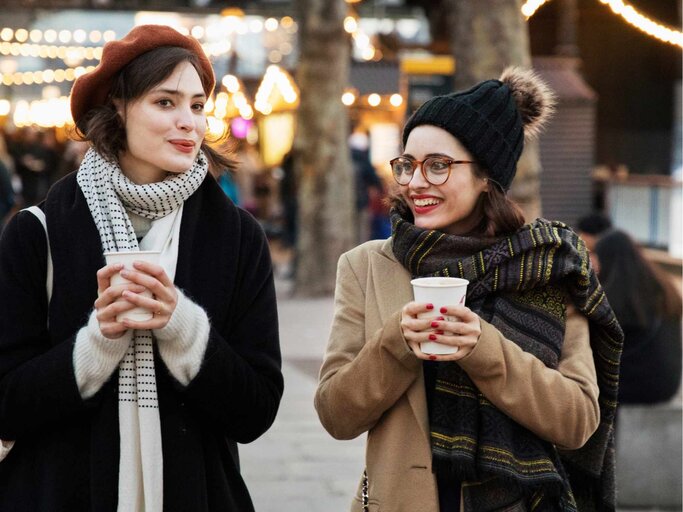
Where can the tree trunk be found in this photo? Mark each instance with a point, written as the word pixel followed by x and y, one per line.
pixel 321 157
pixel 486 37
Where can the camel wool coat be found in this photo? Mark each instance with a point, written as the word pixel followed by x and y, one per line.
pixel 370 381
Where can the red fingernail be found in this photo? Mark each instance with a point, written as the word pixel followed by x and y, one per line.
pixel 440 318
pixel 432 337
pixel 439 332
pixel 435 324
pixel 430 306
pixel 432 358
pixel 444 310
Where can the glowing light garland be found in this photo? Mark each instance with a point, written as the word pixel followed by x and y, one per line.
pixel 531 6
pixel 644 23
pixel 629 14
pixel 51 52
pixel 45 76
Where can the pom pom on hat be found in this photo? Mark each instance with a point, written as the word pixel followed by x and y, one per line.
pixel 491 119
pixel 535 101
pixel 91 90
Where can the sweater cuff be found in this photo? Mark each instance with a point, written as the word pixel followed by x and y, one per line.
pixel 182 342
pixel 95 357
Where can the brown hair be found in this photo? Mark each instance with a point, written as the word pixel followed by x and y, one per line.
pixel 638 291
pixel 104 128
pixel 501 214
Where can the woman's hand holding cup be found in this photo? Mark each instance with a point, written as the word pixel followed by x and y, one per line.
pixel 455 326
pixel 163 302
pixel 110 302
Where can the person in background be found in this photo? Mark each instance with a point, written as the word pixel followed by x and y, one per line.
pixel 368 184
pixel 31 163
pixel 289 200
pixel 648 307
pixel 229 187
pixel 7 196
pixel 590 228
pixel 520 417
pixel 108 413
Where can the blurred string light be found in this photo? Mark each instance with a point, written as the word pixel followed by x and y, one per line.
pixel 275 81
pixel 645 24
pixel 46 112
pixel 22 35
pixel 530 6
pixel 46 76
pixel 630 15
pixel 350 97
pixel 361 42
pixel 66 53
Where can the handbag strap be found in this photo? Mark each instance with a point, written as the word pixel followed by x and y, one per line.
pixel 5 444
pixel 41 217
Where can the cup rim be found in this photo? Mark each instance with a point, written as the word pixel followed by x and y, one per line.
pixel 112 253
pixel 430 282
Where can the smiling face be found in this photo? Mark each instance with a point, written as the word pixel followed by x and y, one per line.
pixel 164 127
pixel 454 206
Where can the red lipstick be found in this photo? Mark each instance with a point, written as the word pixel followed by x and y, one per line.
pixel 182 145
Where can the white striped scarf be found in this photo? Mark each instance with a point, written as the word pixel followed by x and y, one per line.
pixel 109 193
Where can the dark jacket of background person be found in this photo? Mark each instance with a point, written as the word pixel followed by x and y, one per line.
pixel 649 311
pixel 366 177
pixel 68 447
pixel 6 193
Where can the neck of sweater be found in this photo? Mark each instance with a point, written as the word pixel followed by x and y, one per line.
pixel 141 224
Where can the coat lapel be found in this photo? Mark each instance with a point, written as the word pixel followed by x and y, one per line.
pixel 392 289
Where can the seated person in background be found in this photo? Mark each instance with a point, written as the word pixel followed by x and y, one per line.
pixel 648 308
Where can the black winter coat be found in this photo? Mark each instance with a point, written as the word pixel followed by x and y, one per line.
pixel 67 449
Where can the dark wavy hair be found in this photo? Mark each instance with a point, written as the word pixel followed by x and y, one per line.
pixel 637 290
pixel 103 127
pixel 501 215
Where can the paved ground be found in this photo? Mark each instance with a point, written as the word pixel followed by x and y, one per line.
pixel 296 466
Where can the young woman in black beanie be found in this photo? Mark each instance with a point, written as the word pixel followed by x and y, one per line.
pixel 520 417
pixel 106 413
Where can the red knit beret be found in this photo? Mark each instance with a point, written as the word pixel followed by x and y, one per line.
pixel 91 89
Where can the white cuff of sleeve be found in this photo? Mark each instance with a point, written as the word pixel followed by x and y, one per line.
pixel 96 357
pixel 182 342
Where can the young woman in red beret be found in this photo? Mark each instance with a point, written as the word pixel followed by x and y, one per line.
pixel 110 414
pixel 520 416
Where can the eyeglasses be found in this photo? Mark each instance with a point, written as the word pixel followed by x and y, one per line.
pixel 435 169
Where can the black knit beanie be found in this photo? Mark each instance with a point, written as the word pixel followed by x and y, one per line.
pixel 491 119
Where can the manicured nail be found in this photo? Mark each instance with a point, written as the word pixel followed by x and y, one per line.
pixel 439 332
pixel 430 306
pixel 444 310
pixel 432 358
pixel 432 337
pixel 440 318
pixel 435 324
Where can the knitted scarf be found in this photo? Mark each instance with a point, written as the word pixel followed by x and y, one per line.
pixel 519 284
pixel 109 193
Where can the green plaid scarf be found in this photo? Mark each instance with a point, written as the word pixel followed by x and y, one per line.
pixel 519 283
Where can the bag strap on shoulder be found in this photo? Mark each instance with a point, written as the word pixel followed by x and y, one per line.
pixel 41 217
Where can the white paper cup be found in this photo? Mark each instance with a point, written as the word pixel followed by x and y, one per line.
pixel 440 291
pixel 127 258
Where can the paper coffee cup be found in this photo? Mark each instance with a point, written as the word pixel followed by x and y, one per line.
pixel 440 291
pixel 127 258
